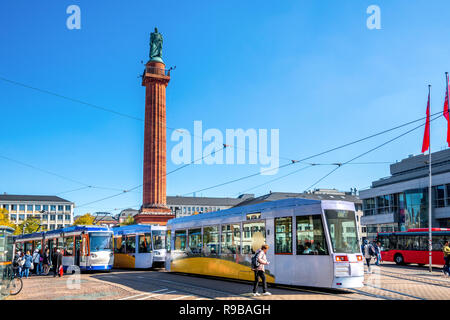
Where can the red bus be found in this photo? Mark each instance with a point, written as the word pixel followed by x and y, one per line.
pixel 412 246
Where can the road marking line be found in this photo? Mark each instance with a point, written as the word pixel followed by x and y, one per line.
pixel 158 294
pixel 182 297
pixel 131 297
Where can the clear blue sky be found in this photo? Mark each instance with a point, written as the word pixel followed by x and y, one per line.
pixel 309 68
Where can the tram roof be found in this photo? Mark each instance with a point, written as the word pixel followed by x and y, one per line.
pixel 134 228
pixel 63 230
pixel 245 209
pixel 6 228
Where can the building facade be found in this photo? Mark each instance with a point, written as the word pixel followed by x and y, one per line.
pixel 53 212
pixel 400 202
pixel 187 206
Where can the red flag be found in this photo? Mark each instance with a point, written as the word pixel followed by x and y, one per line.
pixel 426 135
pixel 446 110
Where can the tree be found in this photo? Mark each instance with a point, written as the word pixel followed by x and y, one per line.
pixel 129 220
pixel 30 225
pixel 86 219
pixel 4 219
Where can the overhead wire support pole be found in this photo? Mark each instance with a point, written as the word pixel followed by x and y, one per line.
pixel 430 202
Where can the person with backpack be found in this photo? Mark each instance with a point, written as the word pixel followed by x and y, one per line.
pixel 17 264
pixel 369 252
pixel 37 262
pixel 259 260
pixel 28 264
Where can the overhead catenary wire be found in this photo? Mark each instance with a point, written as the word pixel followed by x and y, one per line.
pixel 366 152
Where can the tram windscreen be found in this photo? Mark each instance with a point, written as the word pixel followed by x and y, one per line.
pixel 159 239
pixel 100 241
pixel 342 229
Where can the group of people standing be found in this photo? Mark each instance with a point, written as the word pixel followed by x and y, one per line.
pixel 38 263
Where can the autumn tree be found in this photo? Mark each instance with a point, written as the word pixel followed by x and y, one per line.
pixel 86 220
pixel 4 219
pixel 129 220
pixel 30 225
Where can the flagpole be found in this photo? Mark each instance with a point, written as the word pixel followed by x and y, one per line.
pixel 430 202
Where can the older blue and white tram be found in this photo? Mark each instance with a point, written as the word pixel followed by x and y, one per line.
pixel 139 246
pixel 312 243
pixel 88 247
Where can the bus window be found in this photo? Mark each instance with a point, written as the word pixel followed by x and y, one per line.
pixel 231 239
pixel 254 236
pixel 68 246
pixel 131 244
pixel 211 240
pixel 283 235
pixel 195 241
pixel 180 240
pixel 145 244
pixel 310 236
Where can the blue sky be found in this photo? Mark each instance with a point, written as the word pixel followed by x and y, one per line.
pixel 311 69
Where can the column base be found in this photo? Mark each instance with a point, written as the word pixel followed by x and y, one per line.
pixel 158 216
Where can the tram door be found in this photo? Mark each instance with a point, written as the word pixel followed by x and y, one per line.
pixel 78 245
pixel 83 249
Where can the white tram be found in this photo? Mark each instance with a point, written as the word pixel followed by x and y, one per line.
pixel 139 246
pixel 87 247
pixel 312 243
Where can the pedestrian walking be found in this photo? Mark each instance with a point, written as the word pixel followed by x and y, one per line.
pixel 446 250
pixel 377 248
pixel 28 264
pixel 46 261
pixel 259 260
pixel 57 263
pixel 369 252
pixel 17 264
pixel 37 262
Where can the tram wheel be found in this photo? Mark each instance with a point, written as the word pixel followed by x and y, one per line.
pixel 399 259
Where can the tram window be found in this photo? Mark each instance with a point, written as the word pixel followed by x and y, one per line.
pixel 254 236
pixel 145 243
pixel 211 240
pixel 195 241
pixel 118 245
pixel 131 244
pixel 231 239
pixel 60 243
pixel 342 228
pixel 180 240
pixel 38 245
pixel 283 235
pixel 311 236
pixel 159 238
pixel 168 239
pixel 68 246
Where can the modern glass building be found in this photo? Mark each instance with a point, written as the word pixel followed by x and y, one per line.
pixel 400 202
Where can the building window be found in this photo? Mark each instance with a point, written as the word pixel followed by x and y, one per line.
pixel 30 208
pixel 52 217
pixel 21 217
pixel 383 204
pixel 60 216
pixel 45 207
pixel 60 208
pixel 68 208
pixel 52 208
pixel 369 206
pixel 45 216
pixel 13 217
pixel 283 235
pixel 6 206
pixel 310 236
pixel 37 207
pixel 67 217
pixel 21 207
pixel 14 207
pixel 439 196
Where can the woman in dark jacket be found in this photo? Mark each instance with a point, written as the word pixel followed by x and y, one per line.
pixel 46 261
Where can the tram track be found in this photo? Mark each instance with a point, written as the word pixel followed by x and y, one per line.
pixel 194 291
pixel 412 278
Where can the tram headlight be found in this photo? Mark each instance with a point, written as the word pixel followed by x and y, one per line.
pixel 93 255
